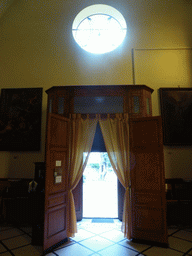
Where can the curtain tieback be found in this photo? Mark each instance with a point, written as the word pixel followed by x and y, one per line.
pixel 69 191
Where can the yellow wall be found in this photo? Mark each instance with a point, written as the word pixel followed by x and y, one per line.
pixel 37 50
pixel 167 68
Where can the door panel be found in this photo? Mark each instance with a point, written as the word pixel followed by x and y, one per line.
pixel 148 219
pixel 55 223
pixel 147 180
pixel 57 157
pixel 148 176
pixel 56 220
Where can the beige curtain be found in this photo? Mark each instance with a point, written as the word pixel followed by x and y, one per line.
pixel 116 137
pixel 82 133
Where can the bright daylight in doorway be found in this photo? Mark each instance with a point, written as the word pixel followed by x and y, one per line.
pixel 99 188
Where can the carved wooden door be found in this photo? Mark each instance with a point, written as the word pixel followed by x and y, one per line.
pixel 55 223
pixel 147 180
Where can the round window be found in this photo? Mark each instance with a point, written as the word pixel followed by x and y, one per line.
pixel 99 28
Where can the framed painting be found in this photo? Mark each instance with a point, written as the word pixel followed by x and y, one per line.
pixel 176 112
pixel 20 122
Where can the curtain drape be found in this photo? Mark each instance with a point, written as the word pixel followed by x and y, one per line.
pixel 81 137
pixel 116 137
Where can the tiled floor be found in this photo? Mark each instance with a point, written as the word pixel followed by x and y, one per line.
pixel 104 239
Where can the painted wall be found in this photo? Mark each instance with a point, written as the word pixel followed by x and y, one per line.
pixel 37 50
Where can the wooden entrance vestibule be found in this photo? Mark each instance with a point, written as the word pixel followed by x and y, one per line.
pixel 148 205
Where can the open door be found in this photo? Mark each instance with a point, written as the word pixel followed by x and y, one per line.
pixel 55 223
pixel 120 194
pixel 148 181
pixel 98 146
pixel 78 199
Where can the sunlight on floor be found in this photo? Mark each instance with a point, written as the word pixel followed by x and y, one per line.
pixel 99 188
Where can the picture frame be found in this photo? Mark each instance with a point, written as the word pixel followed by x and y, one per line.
pixel 20 119
pixel 176 112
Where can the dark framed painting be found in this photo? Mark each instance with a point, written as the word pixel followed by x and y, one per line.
pixel 20 122
pixel 176 112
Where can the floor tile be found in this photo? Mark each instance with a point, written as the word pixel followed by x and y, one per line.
pixel 2 248
pixel 179 244
pixel 184 235
pixel 158 251
pixel 27 229
pixel 69 242
pixel 96 243
pixel 27 251
pixel 116 249
pixel 82 235
pixel 18 241
pixel 4 228
pixel 10 233
pixel 96 239
pixel 75 249
pixel 38 248
pixel 170 231
pixel 117 227
pixel 134 246
pixel 98 228
pixel 114 235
